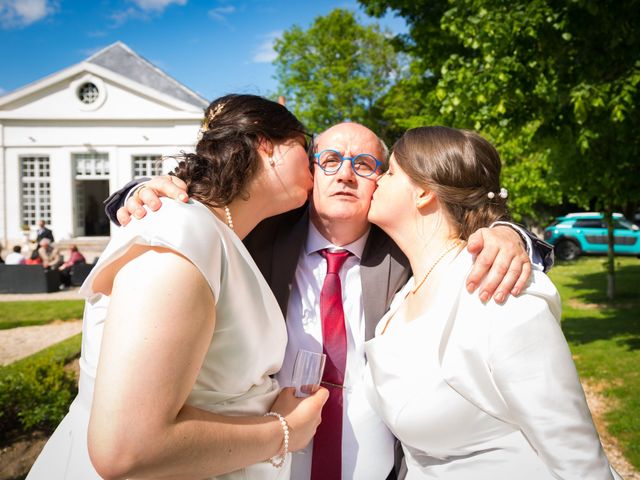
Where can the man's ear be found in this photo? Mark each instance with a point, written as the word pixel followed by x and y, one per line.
pixel 424 199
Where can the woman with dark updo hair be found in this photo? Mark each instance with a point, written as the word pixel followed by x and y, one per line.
pixel 472 390
pixel 181 333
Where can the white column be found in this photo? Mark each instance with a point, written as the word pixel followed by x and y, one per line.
pixel 3 193
pixel 62 192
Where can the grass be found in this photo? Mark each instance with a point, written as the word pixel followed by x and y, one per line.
pixel 22 314
pixel 64 352
pixel 605 338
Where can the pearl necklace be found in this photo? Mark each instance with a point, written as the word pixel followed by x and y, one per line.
pixel 227 213
pixel 457 243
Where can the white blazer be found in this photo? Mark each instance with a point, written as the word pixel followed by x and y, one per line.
pixel 512 361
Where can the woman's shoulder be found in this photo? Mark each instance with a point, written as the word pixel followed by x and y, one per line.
pixel 539 297
pixel 188 229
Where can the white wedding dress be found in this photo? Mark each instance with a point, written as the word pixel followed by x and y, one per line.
pixel 247 346
pixel 477 392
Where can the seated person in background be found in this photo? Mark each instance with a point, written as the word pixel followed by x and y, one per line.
pixel 15 257
pixel 34 258
pixel 49 254
pixel 65 269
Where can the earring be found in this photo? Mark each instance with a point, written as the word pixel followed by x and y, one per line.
pixel 272 162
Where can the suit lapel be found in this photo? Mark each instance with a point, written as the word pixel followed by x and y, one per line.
pixel 289 242
pixel 383 271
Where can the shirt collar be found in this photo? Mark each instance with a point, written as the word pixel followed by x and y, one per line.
pixel 316 242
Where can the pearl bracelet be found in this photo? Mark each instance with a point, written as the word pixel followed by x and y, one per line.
pixel 278 460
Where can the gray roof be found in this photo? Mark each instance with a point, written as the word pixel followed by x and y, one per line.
pixel 122 60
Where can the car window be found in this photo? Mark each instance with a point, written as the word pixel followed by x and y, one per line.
pixel 624 224
pixel 588 223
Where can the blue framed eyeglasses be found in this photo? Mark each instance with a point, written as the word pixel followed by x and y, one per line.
pixel 363 165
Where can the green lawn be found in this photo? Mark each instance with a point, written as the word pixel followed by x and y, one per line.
pixel 605 338
pixel 64 352
pixel 21 314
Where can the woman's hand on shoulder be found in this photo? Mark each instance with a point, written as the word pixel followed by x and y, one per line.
pixel 149 194
pixel 302 414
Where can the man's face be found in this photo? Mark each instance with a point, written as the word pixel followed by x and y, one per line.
pixel 345 195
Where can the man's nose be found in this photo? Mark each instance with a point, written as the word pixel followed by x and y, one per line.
pixel 346 173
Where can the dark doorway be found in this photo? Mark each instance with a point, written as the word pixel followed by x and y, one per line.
pixel 90 217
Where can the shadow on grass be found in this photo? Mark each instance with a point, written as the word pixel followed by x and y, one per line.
pixel 613 324
pixel 593 285
pixel 618 319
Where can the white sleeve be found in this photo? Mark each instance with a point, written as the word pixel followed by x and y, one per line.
pixel 189 229
pixel 534 372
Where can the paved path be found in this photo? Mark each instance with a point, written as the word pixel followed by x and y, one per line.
pixel 20 342
pixel 68 294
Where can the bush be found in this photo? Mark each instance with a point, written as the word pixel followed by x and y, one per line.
pixel 36 395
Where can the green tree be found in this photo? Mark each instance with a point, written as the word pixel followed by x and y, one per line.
pixel 555 84
pixel 336 70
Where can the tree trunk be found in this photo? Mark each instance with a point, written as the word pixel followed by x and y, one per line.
pixel 611 274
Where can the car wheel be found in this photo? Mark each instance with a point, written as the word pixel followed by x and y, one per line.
pixel 567 250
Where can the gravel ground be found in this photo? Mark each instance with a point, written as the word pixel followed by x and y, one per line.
pixel 598 406
pixel 67 294
pixel 20 342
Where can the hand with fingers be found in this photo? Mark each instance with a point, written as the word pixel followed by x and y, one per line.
pixel 502 265
pixel 149 194
pixel 302 414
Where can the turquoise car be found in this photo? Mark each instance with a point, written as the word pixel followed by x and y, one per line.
pixel 586 233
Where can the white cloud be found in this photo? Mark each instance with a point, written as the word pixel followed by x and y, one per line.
pixel 156 5
pixel 142 10
pixel 2 91
pixel 220 13
pixel 21 13
pixel 265 52
pixel 97 34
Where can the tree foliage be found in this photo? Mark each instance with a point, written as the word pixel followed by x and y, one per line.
pixel 555 84
pixel 336 70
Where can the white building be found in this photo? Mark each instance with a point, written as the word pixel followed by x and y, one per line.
pixel 68 140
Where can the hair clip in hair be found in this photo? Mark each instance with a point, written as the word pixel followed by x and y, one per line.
pixel 204 128
pixel 503 194
pixel 216 111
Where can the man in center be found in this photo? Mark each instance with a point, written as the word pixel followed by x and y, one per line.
pixel 294 251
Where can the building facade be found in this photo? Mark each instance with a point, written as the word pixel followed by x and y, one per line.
pixel 68 140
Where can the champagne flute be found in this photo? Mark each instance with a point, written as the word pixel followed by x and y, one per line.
pixel 307 372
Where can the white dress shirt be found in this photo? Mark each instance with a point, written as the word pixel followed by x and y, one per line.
pixel 367 444
pixel 14 258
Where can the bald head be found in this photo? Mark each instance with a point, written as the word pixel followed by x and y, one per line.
pixel 341 199
pixel 351 133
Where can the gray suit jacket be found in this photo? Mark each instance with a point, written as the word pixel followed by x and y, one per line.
pixel 275 246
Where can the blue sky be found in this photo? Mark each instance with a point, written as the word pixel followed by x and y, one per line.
pixel 212 46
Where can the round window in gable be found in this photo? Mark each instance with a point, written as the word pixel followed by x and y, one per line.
pixel 88 93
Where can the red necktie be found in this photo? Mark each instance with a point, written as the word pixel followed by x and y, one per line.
pixel 326 463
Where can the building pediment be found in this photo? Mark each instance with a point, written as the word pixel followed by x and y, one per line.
pixel 113 84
